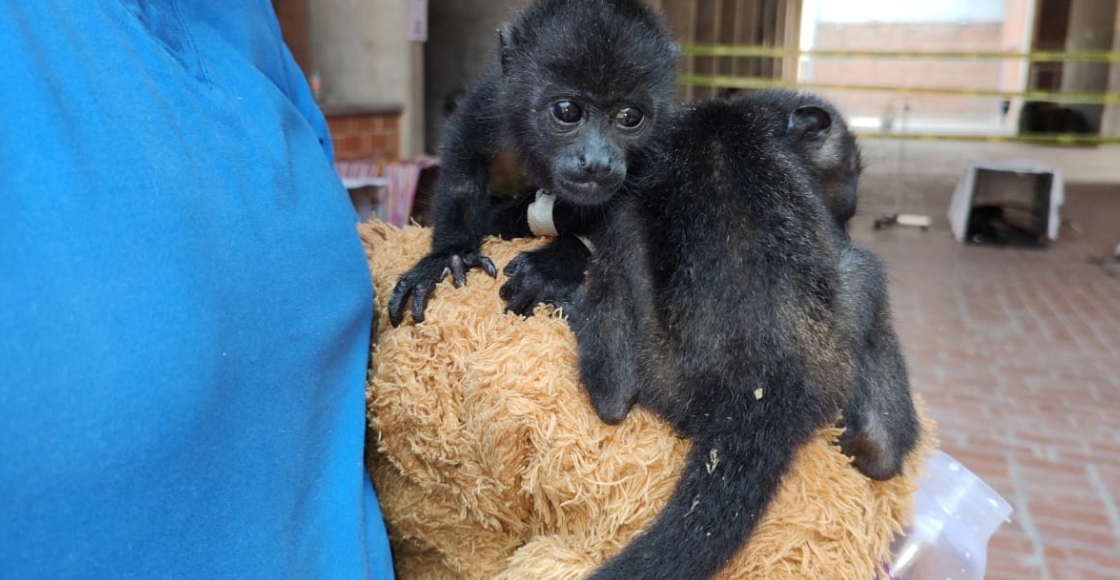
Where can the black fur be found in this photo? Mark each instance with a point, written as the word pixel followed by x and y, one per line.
pixel 713 299
pixel 553 273
pixel 833 153
pixel 606 57
pixel 881 424
pixel 820 133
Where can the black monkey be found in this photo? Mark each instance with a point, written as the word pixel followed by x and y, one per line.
pixel 880 424
pixel 552 276
pixel 715 299
pixel 578 89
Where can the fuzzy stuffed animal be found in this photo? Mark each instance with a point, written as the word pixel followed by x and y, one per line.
pixel 490 463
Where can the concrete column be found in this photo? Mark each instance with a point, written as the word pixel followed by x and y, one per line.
pixel 1091 27
pixel 1016 37
pixel 1110 121
pixel 359 49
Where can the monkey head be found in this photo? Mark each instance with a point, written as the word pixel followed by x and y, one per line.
pixel 819 132
pixel 823 135
pixel 584 85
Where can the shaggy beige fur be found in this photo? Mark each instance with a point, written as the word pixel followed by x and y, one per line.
pixel 489 463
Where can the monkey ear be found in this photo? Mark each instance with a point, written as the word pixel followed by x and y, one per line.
pixel 809 122
pixel 505 46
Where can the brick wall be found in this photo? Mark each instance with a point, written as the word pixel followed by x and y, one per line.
pixel 357 135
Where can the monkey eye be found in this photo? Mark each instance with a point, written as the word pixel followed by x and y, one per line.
pixel 567 112
pixel 629 117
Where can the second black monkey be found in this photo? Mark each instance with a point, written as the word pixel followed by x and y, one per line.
pixel 881 424
pixel 713 300
pixel 576 94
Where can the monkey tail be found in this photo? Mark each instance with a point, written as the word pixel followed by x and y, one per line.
pixel 725 486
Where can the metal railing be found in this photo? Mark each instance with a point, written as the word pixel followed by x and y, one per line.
pixel 758 82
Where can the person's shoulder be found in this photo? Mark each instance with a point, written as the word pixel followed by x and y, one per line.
pixel 250 30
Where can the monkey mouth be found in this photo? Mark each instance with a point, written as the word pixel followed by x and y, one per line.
pixel 588 192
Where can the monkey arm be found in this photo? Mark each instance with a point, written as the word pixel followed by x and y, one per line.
pixel 461 205
pixel 611 314
pixel 607 337
pixel 509 217
pixel 880 423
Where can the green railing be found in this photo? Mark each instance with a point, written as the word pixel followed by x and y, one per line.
pixel 755 82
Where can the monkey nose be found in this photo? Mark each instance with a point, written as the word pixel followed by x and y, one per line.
pixel 595 167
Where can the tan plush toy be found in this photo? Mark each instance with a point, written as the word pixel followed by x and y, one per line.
pixel 490 464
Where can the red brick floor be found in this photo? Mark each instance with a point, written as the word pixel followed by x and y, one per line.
pixel 1017 356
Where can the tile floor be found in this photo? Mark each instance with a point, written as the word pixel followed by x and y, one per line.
pixel 1017 356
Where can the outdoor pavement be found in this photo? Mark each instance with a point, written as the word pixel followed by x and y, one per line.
pixel 1015 352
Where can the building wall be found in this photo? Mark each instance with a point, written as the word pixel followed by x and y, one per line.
pixel 293 16
pixel 928 36
pixel 359 50
pixel 1016 37
pixel 365 133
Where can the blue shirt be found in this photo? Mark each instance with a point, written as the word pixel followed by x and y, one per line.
pixel 185 306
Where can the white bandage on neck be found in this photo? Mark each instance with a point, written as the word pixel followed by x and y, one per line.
pixel 540 218
pixel 540 215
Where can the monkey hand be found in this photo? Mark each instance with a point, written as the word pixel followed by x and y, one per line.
pixel 551 275
pixel 419 282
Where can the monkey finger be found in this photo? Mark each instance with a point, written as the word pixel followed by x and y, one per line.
pixel 509 289
pixel 396 305
pixel 419 302
pixel 523 302
pixel 395 319
pixel 458 271
pixel 478 261
pixel 515 264
pixel 488 266
pixel 517 307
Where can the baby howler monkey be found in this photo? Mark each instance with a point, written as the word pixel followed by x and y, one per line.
pixel 578 88
pixel 718 298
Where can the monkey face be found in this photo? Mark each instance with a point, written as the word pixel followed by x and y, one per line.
pixel 583 83
pixel 576 143
pixel 586 146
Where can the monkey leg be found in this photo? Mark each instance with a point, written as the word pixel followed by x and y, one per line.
pixel 880 423
pixel 607 336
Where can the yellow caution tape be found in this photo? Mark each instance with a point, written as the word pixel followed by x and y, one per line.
pixel 737 82
pixel 1064 139
pixel 782 52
